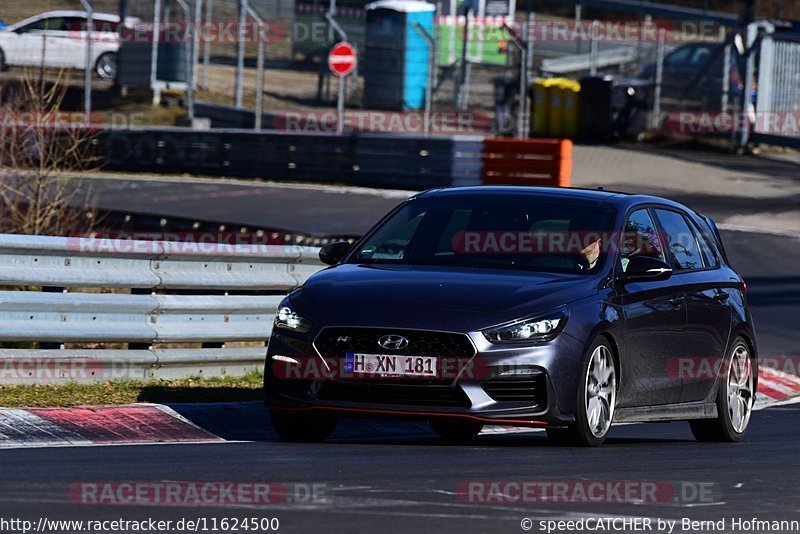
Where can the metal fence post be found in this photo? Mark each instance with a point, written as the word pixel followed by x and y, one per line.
pixel 207 44
pixel 751 33
pixel 340 105
pixel 655 121
pixel 247 9
pixel 87 78
pixel 240 54
pixel 522 112
pixel 198 7
pixel 529 43
pixel 429 81
pixel 593 55
pixel 154 53
pixel 335 27
pixel 462 94
pixel 529 49
pixel 646 22
pixel 726 77
pixel 189 55
pixel 260 75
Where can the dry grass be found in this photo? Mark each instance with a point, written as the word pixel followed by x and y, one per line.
pixel 207 389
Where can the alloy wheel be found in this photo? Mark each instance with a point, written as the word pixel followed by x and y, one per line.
pixel 601 390
pixel 740 388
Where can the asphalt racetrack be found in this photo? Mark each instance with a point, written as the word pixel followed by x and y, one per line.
pixel 410 481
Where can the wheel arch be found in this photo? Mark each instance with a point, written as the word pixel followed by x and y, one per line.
pixel 605 330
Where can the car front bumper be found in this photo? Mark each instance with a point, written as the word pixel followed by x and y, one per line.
pixel 534 385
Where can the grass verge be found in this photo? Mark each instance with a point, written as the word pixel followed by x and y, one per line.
pixel 206 389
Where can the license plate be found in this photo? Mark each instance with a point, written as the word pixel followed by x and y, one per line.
pixel 390 365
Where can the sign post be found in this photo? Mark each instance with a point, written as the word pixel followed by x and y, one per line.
pixel 341 62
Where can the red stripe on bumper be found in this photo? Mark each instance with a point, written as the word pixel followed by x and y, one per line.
pixel 485 420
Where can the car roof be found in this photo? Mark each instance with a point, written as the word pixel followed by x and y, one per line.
pixel 111 17
pixel 617 199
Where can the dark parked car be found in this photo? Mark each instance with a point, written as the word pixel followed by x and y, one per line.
pixel 559 308
pixel 683 67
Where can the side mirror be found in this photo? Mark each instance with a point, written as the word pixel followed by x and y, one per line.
pixel 645 269
pixel 332 253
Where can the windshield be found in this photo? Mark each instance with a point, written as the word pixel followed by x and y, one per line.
pixel 500 232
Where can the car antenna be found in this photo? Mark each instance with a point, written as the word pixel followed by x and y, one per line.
pixel 600 188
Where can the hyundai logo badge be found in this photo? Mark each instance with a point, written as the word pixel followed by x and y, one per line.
pixel 393 342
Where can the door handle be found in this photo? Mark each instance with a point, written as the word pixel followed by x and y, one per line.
pixel 677 301
pixel 721 296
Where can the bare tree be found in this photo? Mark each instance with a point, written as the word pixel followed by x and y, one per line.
pixel 43 150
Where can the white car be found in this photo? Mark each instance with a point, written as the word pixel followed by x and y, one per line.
pixel 58 39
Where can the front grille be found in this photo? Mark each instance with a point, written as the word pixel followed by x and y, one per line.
pixel 519 388
pixel 335 342
pixel 381 393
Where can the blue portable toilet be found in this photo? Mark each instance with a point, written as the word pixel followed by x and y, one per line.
pixel 395 65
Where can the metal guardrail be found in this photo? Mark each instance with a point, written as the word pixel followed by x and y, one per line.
pixel 583 62
pixel 418 162
pixel 374 160
pixel 196 309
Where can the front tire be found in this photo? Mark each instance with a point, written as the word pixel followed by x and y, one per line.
pixel 305 428
pixel 735 399
pixel 3 64
pixel 597 397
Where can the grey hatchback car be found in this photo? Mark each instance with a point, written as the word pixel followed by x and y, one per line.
pixel 559 308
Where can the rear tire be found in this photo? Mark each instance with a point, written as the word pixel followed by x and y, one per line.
pixel 304 428
pixel 3 64
pixel 735 399
pixel 456 431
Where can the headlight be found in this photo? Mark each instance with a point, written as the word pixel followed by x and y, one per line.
pixel 540 328
pixel 289 320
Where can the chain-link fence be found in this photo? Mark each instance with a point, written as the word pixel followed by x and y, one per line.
pixel 201 58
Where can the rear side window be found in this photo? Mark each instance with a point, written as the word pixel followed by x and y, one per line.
pixel 707 248
pixel 681 241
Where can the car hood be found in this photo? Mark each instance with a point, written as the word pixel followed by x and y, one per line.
pixel 453 299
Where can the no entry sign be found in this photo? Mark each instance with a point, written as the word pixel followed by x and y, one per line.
pixel 342 59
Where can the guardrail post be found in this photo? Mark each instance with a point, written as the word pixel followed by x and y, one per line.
pixel 50 345
pixel 140 291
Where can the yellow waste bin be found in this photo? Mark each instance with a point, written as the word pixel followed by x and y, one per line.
pixel 570 105
pixel 539 107
pixel 555 119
